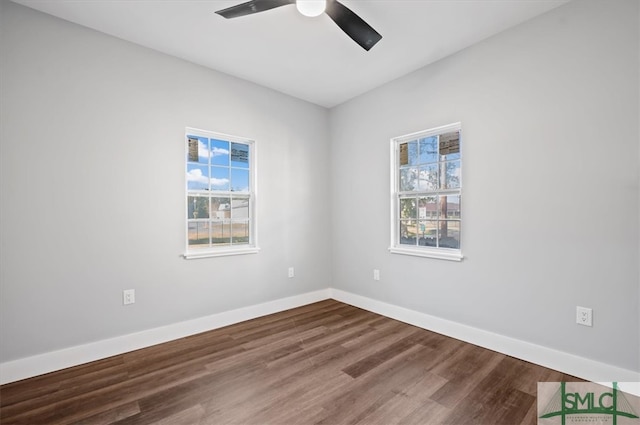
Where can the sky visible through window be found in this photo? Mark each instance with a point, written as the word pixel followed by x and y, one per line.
pixel 228 169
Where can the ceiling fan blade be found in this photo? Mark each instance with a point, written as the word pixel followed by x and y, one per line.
pixel 352 24
pixel 253 6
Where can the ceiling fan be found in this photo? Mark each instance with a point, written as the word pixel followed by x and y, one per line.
pixel 349 22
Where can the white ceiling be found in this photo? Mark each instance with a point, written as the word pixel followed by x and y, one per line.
pixel 309 58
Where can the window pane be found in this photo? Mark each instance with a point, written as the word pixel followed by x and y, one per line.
pixel 451 178
pixel 198 233
pixel 414 158
pixel 240 208
pixel 239 155
pixel 449 234
pixel 408 177
pixel 198 206
pixel 239 180
pixel 427 208
pixel 220 233
pixel 197 177
pixel 428 232
pixel 240 232
pixel 450 145
pixel 198 149
pixel 450 206
pixel 403 154
pixel 407 208
pixel 429 149
pixel 220 208
pixel 451 156
pixel 428 177
pixel 219 152
pixel 220 178
pixel 408 232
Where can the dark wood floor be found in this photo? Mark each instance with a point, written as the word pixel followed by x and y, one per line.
pixel 325 363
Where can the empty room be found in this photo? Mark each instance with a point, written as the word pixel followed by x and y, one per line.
pixel 319 212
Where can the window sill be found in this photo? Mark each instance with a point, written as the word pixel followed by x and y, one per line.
pixel 440 254
pixel 221 253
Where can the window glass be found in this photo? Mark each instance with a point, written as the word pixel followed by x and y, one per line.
pixel 219 152
pixel 239 180
pixel 197 177
pixel 239 155
pixel 429 149
pixel 198 150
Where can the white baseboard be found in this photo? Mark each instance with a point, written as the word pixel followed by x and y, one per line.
pixel 553 359
pixel 564 362
pixel 56 360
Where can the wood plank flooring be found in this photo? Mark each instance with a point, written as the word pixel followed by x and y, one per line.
pixel 325 363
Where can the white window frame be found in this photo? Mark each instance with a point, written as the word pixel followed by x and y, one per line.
pixel 418 250
pixel 225 250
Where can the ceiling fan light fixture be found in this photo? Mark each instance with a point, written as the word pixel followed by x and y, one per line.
pixel 311 8
pixel 341 15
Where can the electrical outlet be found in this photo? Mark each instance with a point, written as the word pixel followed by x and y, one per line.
pixel 584 316
pixel 128 296
pixel 376 274
pixel 291 272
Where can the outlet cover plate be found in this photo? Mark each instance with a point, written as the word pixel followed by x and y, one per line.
pixel 584 316
pixel 128 296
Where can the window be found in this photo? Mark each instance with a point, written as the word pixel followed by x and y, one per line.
pixel 426 173
pixel 220 194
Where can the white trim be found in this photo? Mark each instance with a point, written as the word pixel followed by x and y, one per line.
pixel 440 254
pixel 627 387
pixel 221 253
pixel 209 133
pixel 55 360
pixel 554 359
pixel 456 126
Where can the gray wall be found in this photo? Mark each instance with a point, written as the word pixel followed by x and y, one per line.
pixel 549 111
pixel 92 187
